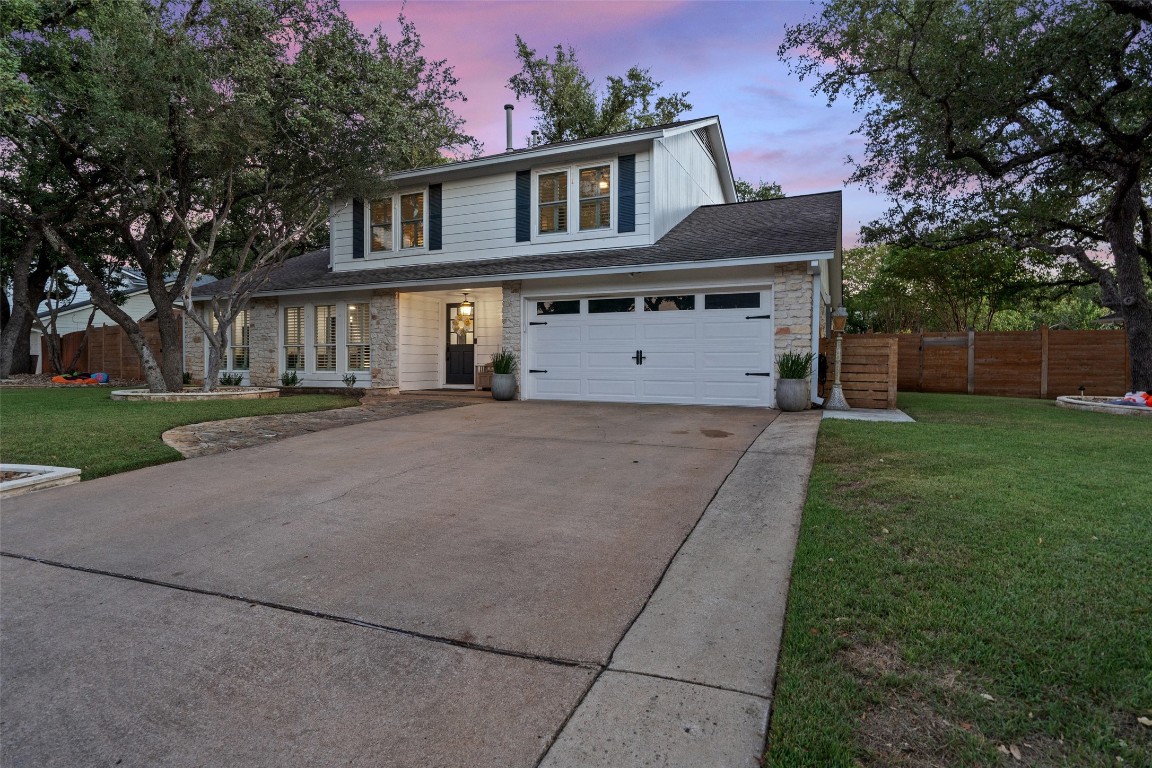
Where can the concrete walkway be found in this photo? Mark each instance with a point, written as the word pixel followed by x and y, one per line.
pixel 495 585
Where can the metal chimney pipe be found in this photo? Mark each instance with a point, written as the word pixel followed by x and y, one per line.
pixel 508 118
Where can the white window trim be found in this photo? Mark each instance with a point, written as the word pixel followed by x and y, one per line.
pixel 574 232
pixel 397 251
pixel 324 377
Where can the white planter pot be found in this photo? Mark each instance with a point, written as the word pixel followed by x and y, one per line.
pixel 792 394
pixel 503 386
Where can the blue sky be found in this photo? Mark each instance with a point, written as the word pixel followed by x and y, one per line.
pixel 722 52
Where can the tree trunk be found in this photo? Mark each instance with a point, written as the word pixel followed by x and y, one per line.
pixel 1133 302
pixel 15 342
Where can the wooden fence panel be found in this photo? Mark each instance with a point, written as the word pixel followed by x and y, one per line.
pixel 1096 360
pixel 109 350
pixel 1007 364
pixel 868 366
pixel 1043 363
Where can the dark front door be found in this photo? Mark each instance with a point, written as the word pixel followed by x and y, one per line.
pixel 461 346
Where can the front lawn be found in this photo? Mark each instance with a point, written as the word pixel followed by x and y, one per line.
pixel 86 429
pixel 972 590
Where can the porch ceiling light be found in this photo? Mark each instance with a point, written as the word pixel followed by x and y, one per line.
pixel 465 309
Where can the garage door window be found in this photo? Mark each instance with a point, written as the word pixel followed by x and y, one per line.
pixel 732 301
pixel 669 303
pixel 558 307
pixel 603 306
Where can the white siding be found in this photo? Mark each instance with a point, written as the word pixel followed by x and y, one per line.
pixel 420 341
pixel 489 325
pixel 340 232
pixel 684 177
pixel 479 222
pixel 69 321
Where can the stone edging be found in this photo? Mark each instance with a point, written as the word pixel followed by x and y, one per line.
pixel 246 393
pixel 1101 405
pixel 36 477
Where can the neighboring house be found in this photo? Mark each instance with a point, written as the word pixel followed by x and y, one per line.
pixel 617 268
pixel 74 317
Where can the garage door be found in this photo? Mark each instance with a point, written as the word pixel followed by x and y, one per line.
pixel 709 348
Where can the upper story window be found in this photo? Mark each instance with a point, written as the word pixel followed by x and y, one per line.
pixel 574 199
pixel 409 210
pixel 596 197
pixel 412 220
pixel 553 202
pixel 381 212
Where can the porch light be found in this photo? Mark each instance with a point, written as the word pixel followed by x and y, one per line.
pixel 839 319
pixel 465 309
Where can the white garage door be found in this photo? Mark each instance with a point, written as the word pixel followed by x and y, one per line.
pixel 711 348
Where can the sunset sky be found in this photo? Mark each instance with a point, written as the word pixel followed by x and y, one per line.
pixel 723 53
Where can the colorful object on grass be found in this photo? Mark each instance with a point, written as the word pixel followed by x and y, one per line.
pixel 76 377
pixel 1137 399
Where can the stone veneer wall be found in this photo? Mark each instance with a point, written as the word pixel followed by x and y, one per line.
pixel 194 350
pixel 793 299
pixel 264 342
pixel 384 337
pixel 512 322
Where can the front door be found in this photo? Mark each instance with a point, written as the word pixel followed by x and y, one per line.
pixel 460 347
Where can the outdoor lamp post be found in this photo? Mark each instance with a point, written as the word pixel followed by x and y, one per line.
pixel 837 402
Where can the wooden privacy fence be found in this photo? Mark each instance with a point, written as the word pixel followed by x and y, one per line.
pixel 868 370
pixel 108 350
pixel 1043 363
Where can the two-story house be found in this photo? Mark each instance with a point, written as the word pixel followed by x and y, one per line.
pixel 617 268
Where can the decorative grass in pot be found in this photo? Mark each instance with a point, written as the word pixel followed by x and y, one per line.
pixel 792 389
pixel 503 374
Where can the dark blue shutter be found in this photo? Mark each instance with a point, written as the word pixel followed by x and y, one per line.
pixel 523 206
pixel 357 229
pixel 626 205
pixel 435 220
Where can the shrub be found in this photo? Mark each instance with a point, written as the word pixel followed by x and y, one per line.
pixel 289 379
pixel 231 379
pixel 795 365
pixel 504 361
pixel 349 380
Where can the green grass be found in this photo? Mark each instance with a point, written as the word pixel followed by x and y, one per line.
pixel 86 429
pixel 999 547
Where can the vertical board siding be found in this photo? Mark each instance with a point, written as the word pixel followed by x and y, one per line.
pixel 1043 363
pixel 523 206
pixel 683 178
pixel 626 206
pixel 341 234
pixel 435 217
pixel 357 229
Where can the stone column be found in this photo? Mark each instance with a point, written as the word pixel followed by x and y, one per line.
pixel 512 324
pixel 384 336
pixel 264 342
pixel 792 294
pixel 194 349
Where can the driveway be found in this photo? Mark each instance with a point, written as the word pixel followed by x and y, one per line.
pixel 437 589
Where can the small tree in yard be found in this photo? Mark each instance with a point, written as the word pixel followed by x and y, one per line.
pixel 217 133
pixel 1027 123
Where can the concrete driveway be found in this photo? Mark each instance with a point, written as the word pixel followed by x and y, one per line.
pixel 440 589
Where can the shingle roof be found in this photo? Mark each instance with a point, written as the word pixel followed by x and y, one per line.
pixel 764 228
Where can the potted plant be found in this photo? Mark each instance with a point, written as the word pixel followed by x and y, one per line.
pixel 503 374
pixel 792 389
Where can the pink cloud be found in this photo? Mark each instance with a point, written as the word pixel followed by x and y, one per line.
pixel 723 53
